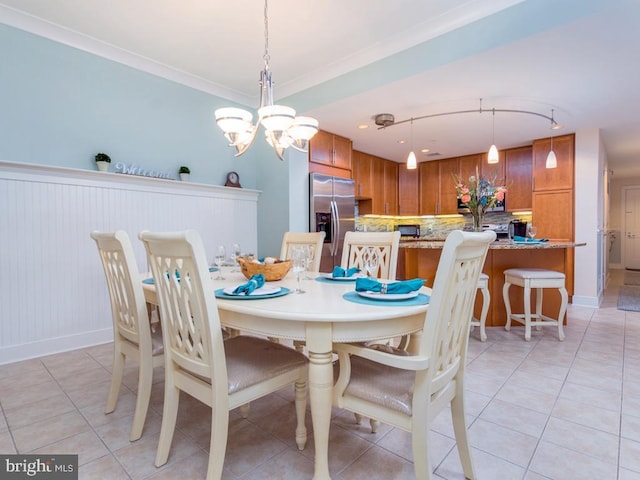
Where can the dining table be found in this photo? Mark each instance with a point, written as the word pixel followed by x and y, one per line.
pixel 329 311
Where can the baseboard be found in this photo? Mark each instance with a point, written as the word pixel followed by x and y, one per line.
pixel 582 301
pixel 41 348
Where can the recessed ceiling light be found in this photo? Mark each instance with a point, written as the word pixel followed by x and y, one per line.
pixel 362 126
pixel 425 150
pixel 402 141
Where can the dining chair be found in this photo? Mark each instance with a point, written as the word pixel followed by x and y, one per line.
pixel 221 374
pixel 314 240
pixel 386 243
pixel 132 333
pixel 408 391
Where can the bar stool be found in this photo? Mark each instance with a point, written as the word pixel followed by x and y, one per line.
pixel 539 279
pixel 483 286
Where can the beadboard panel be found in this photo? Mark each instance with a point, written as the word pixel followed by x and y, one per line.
pixel 53 296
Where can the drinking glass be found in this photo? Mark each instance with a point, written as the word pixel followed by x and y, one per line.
pixel 308 253
pixel 370 261
pixel 220 257
pixel 531 231
pixel 299 258
pixel 235 254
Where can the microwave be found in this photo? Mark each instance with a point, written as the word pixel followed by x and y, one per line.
pixel 412 231
pixel 498 207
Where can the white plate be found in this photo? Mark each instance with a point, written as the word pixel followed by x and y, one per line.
pixel 265 290
pixel 330 276
pixel 388 296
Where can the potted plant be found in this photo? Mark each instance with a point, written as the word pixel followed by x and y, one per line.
pixel 102 161
pixel 184 173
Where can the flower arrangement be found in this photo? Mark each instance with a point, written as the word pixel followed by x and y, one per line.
pixel 478 195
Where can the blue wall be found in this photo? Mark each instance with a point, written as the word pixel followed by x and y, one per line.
pixel 60 106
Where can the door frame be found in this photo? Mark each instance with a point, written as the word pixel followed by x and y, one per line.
pixel 623 232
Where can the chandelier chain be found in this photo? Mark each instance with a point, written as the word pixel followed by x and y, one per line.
pixel 266 36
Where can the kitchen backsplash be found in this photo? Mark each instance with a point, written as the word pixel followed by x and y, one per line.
pixel 436 227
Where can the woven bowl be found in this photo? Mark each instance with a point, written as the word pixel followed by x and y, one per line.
pixel 271 271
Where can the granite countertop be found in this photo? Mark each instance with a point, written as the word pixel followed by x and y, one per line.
pixel 435 243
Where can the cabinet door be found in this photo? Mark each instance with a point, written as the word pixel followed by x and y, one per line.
pixel 321 148
pixel 469 166
pixel 448 202
pixel 361 163
pixel 493 170
pixel 553 215
pixel 342 152
pixel 391 187
pixel 377 185
pixel 408 199
pixel 429 183
pixel 519 165
pixel 557 178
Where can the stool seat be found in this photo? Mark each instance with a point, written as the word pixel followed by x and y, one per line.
pixel 483 286
pixel 538 279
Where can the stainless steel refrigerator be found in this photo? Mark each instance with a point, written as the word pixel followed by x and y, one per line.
pixel 332 210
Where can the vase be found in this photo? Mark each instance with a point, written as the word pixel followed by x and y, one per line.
pixel 478 221
pixel 102 166
pixel 184 177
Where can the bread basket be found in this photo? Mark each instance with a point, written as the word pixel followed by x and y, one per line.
pixel 271 271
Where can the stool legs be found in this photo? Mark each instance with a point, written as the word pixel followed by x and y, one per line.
pixel 486 298
pixel 507 304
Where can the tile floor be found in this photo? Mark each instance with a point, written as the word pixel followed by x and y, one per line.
pixel 537 410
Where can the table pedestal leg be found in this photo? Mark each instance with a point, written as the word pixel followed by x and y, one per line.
pixel 321 399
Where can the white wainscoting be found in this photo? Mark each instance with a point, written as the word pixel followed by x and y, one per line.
pixel 53 296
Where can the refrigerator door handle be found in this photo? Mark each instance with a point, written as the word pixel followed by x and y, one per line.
pixel 335 227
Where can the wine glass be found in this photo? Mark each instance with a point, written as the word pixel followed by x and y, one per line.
pixel 308 254
pixel 299 258
pixel 531 231
pixel 370 261
pixel 235 254
pixel 220 257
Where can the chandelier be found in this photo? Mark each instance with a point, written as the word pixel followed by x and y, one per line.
pixel 283 129
pixel 385 120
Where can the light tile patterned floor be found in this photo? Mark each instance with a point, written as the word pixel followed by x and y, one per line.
pixel 537 410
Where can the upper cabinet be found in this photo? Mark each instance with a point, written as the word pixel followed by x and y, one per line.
pixel 438 194
pixel 558 178
pixel 519 164
pixel 361 172
pixel 376 184
pixel 330 150
pixel 408 191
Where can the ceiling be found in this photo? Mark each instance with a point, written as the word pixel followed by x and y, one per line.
pixel 344 62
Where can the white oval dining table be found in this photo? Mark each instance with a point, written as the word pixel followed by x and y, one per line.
pixel 319 317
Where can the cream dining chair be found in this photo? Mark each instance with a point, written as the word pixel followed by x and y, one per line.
pixel 132 334
pixel 387 244
pixel 223 375
pixel 408 392
pixel 314 240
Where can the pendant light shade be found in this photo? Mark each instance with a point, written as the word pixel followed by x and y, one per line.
pixel 412 163
pixel 493 151
pixel 552 161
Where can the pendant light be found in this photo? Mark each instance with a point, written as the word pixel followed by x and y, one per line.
pixel 493 151
pixel 552 161
pixel 283 129
pixel 412 163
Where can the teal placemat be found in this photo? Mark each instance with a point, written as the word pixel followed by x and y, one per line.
pixel 421 299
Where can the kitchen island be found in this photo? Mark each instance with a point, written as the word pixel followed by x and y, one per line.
pixel 419 259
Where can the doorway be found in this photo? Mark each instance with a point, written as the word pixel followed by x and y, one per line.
pixel 631 230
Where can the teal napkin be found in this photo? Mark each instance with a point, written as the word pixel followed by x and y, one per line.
pixel 518 238
pixel 371 285
pixel 340 272
pixel 256 281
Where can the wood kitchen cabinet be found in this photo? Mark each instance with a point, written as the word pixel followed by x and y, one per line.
pixel 468 165
pixel 558 178
pixel 408 191
pixel 362 174
pixel 519 167
pixel 376 184
pixel 330 150
pixel 438 194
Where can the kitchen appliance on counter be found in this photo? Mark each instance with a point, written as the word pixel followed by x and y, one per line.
pixel 517 228
pixel 332 210
pixel 409 231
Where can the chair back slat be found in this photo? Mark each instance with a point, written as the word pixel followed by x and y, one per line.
pixel 387 244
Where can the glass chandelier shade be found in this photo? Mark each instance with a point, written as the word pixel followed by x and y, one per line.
pixel 282 128
pixel 412 163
